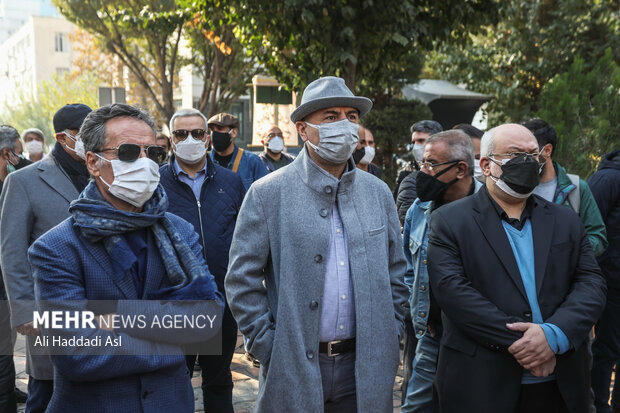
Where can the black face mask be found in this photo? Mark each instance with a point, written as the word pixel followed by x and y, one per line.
pixel 430 188
pixel 521 174
pixel 22 163
pixel 359 154
pixel 220 141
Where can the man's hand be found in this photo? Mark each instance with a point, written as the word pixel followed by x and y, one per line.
pixel 531 350
pixel 544 369
pixel 28 329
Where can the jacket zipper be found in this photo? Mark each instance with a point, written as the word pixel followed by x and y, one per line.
pixel 204 248
pixel 202 234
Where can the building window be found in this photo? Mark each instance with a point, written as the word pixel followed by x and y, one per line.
pixel 61 42
pixel 61 71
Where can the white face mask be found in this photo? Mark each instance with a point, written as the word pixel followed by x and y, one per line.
pixel 34 147
pixel 368 156
pixel 477 169
pixel 337 140
pixel 79 145
pixel 418 152
pixel 276 144
pixel 134 182
pixel 190 150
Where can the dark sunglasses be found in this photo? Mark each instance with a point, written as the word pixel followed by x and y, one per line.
pixel 130 152
pixel 181 134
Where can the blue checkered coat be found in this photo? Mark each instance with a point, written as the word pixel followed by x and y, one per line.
pixel 67 267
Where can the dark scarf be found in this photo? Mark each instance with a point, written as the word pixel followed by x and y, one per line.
pixel 77 172
pixel 98 221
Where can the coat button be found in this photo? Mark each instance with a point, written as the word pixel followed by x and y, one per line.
pixel 423 288
pixel 323 212
pixel 310 355
pixel 328 190
pixel 527 314
pixel 422 315
pixel 318 259
pixel 314 305
pixel 424 262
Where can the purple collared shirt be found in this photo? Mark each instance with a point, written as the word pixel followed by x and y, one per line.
pixel 338 309
pixel 196 182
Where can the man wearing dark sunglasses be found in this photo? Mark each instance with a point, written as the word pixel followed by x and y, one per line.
pixel 120 243
pixel 224 128
pixel 208 196
pixel 34 200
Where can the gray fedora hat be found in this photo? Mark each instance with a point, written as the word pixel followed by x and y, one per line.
pixel 327 92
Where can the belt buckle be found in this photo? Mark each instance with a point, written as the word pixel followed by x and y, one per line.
pixel 330 353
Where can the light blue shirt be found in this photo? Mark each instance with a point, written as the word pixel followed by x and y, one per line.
pixel 546 190
pixel 338 309
pixel 196 182
pixel 522 245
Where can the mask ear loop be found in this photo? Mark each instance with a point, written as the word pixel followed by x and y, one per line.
pixel 107 160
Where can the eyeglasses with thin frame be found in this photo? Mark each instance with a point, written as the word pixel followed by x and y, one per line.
pixel 513 155
pixel 130 152
pixel 273 135
pixel 430 166
pixel 182 134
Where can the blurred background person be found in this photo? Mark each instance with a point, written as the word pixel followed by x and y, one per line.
pixel 164 141
pixel 476 136
pixel 405 182
pixel 365 152
pixel 34 140
pixel 274 157
pixel 224 128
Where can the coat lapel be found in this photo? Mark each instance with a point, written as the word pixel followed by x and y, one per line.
pixel 493 230
pixel 542 230
pixel 123 282
pixel 53 176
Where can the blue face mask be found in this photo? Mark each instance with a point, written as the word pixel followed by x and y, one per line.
pixel 337 140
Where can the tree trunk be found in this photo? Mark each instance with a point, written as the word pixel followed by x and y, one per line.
pixel 348 74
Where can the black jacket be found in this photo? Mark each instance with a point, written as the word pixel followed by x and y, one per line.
pixel 476 281
pixel 605 186
pixel 407 194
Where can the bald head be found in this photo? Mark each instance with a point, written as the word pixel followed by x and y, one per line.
pixel 507 138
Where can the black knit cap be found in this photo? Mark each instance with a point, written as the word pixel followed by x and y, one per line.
pixel 70 116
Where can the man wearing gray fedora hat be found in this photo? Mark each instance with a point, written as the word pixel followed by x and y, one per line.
pixel 315 279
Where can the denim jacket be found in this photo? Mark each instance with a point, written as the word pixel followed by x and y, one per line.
pixel 415 243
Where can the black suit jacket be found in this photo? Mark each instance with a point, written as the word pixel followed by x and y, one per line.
pixel 476 281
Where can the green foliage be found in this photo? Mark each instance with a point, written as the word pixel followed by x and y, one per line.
pixel 584 107
pixel 146 36
pixel 53 94
pixel 534 40
pixel 390 125
pixel 218 58
pixel 375 45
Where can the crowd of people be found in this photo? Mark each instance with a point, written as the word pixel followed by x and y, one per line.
pixel 493 269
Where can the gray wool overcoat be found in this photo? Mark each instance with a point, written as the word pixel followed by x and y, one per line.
pixel 276 276
pixel 34 200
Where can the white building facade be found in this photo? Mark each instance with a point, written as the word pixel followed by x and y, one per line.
pixel 33 54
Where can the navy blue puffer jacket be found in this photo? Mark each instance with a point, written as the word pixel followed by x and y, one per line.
pixel 213 216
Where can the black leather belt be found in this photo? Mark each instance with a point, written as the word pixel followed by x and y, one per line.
pixel 337 347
